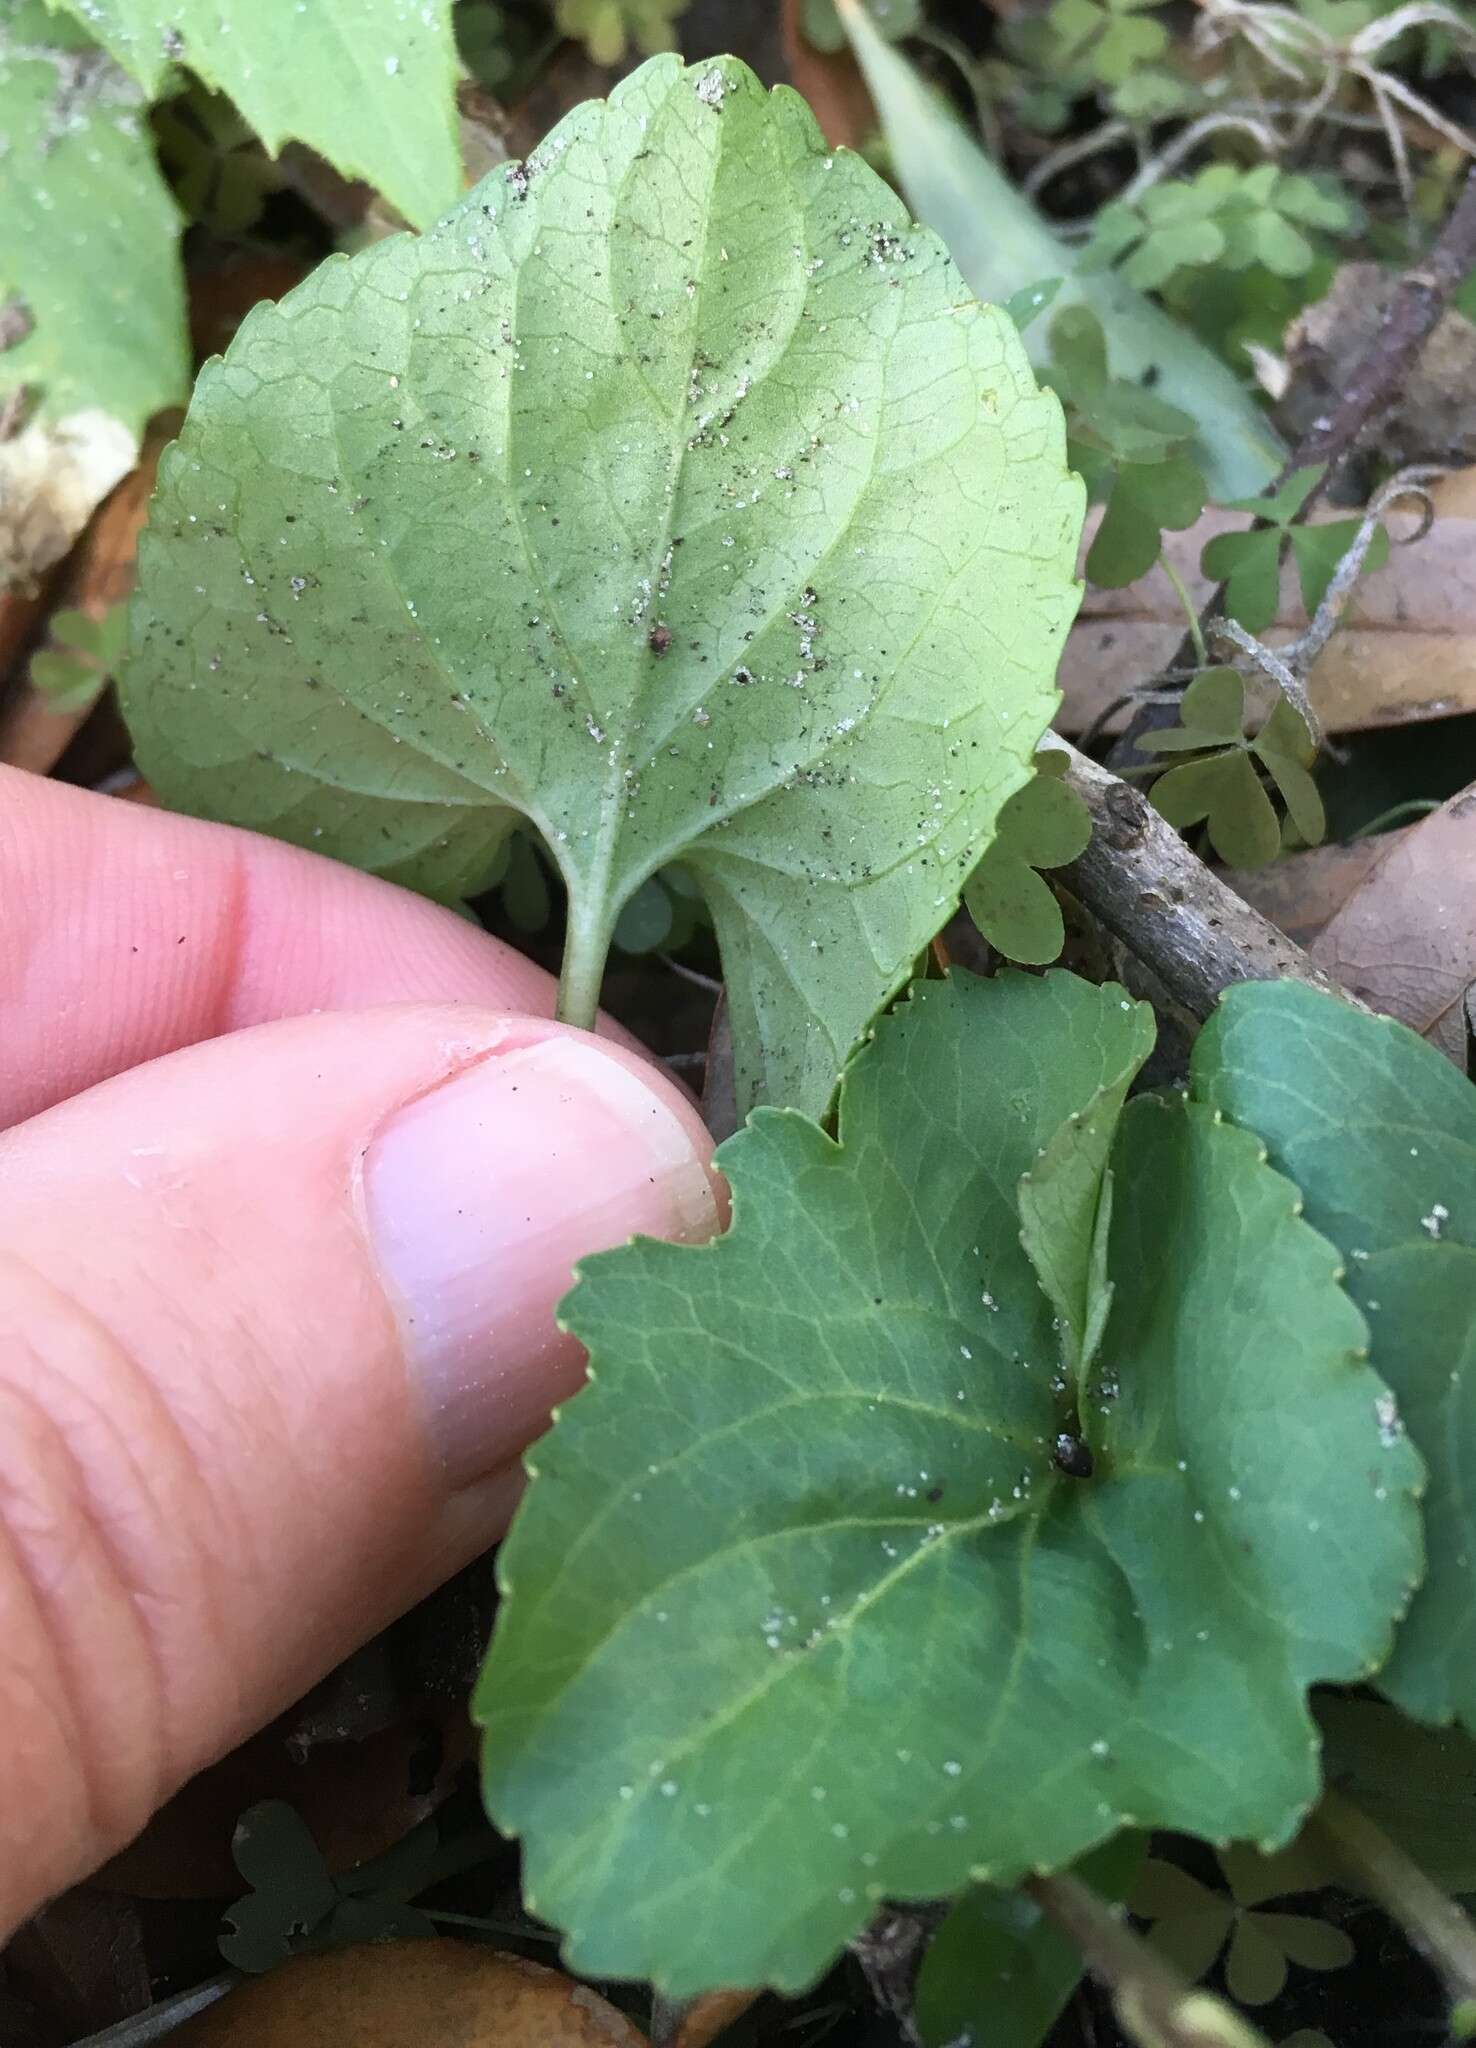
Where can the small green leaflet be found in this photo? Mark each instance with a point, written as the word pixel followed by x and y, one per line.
pixel 91 292
pixel 369 84
pixel 1220 786
pixel 998 1971
pixel 1002 244
pixel 90 245
pixel 1379 1131
pixel 1044 825
pixel 1225 216
pixel 1249 563
pixel 821 25
pixel 1031 300
pixel 1129 447
pixel 600 504
pixel 801 1613
pixel 83 659
pixel 296 1902
pixel 1192 1923
pixel 1108 38
pixel 1142 499
pixel 607 28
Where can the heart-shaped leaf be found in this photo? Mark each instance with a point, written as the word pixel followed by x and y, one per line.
pixel 1045 824
pixel 292 1893
pixel 1144 498
pixel 1379 1131
pixel 1225 792
pixel 618 500
pixel 803 1609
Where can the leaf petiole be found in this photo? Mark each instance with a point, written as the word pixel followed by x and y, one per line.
pixel 1196 631
pixel 1158 2007
pixel 586 949
pixel 1436 1925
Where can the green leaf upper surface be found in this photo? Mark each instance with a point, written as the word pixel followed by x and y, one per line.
pixel 1379 1131
pixel 673 492
pixel 800 1610
pixel 89 246
pixel 368 83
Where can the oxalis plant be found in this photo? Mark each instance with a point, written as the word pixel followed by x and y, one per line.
pixel 1004 1479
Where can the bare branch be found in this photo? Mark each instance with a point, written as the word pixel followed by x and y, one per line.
pixel 1148 888
pixel 1415 310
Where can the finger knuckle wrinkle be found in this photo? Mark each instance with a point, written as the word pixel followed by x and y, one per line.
pixel 84 1598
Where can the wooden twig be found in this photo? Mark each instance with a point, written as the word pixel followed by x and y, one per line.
pixel 890 1953
pixel 1412 315
pixel 1140 880
pixel 1414 311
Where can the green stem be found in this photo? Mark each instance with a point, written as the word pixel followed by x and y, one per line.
pixel 1156 2004
pixel 505 1929
pixel 1413 807
pixel 1435 1924
pixel 586 949
pixel 1196 631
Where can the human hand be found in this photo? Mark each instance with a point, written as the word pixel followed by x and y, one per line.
pixel 293 1169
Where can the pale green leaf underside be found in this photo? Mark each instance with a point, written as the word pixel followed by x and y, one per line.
pixel 800 1612
pixel 369 84
pixel 673 492
pixel 1379 1131
pixel 88 232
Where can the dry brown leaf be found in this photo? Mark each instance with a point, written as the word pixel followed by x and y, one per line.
pixel 81 1961
pixel 34 734
pixel 833 85
pixel 34 731
pixel 1301 892
pixel 1406 650
pixel 704 2020
pixel 357 1798
pixel 20 615
pixel 1405 940
pixel 53 476
pixel 221 298
pixel 411 1994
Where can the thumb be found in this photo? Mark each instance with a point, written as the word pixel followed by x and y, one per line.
pixel 276 1317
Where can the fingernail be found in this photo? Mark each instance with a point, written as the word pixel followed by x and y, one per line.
pixel 480 1197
